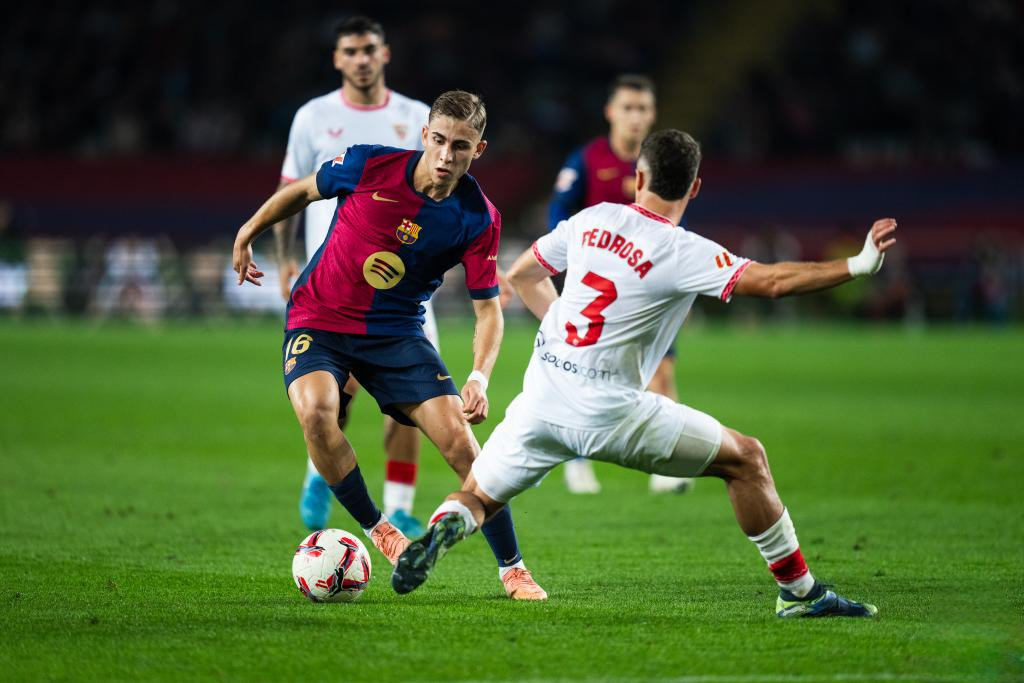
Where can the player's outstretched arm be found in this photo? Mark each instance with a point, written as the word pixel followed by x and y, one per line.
pixel 783 279
pixel 284 249
pixel 532 283
pixel 286 202
pixel 490 327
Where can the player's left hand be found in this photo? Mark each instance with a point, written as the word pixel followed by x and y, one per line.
pixel 474 402
pixel 244 266
pixel 880 238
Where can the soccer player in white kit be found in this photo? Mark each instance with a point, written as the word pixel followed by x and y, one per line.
pixel 362 111
pixel 631 277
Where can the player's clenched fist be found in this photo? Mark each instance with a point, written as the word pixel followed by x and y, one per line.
pixel 474 402
pixel 880 238
pixel 881 233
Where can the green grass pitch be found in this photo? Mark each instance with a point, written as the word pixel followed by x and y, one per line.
pixel 149 482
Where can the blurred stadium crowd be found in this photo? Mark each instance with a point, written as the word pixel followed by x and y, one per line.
pixel 135 138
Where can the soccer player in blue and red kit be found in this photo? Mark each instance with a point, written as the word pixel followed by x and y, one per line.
pixel 604 170
pixel 403 218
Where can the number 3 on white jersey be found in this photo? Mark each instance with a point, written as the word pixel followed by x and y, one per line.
pixel 592 312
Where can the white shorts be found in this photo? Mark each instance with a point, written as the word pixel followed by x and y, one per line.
pixel 659 436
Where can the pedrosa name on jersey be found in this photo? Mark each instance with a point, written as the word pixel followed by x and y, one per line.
pixel 617 244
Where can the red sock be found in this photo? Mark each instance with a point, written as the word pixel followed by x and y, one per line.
pixel 399 486
pixel 790 568
pixel 780 549
pixel 401 472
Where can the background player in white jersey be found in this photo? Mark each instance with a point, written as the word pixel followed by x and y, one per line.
pixel 631 278
pixel 362 111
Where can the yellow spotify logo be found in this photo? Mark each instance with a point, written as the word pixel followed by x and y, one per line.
pixel 383 269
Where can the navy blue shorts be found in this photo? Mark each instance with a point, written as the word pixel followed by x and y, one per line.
pixel 393 369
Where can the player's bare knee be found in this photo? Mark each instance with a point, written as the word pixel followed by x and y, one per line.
pixel 457 445
pixel 754 459
pixel 316 417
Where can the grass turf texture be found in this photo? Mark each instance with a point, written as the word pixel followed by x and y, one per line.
pixel 149 482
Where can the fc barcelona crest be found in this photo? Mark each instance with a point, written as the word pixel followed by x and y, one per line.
pixel 408 232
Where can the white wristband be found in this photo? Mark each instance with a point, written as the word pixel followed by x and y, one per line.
pixel 868 261
pixel 478 376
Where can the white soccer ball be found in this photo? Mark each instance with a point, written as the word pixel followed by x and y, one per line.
pixel 331 566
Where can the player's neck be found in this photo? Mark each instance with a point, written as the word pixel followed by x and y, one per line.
pixel 374 96
pixel 424 183
pixel 625 149
pixel 672 210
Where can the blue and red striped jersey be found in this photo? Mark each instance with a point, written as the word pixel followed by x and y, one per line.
pixel 389 246
pixel 592 174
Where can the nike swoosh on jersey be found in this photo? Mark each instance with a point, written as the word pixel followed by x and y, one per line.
pixel 378 198
pixel 442 378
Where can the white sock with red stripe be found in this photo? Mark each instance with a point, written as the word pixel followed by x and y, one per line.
pixel 455 506
pixel 780 549
pixel 399 486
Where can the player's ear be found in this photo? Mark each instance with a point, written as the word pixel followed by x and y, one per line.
pixel 641 180
pixel 424 134
pixel 337 59
pixel 385 54
pixel 695 188
pixel 480 147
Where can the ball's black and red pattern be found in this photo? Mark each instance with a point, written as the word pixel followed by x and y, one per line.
pixel 331 566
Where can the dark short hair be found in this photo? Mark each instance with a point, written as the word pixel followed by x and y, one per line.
pixel 357 26
pixel 631 82
pixel 673 158
pixel 461 105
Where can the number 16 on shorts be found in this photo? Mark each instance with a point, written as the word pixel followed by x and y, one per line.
pixel 296 345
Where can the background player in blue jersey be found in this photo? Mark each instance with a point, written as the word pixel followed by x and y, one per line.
pixel 604 170
pixel 403 218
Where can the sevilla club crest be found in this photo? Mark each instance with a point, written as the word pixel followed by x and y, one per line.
pixel 400 130
pixel 408 232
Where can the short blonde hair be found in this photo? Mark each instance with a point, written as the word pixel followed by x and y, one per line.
pixel 461 105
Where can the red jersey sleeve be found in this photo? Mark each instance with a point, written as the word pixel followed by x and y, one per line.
pixel 481 259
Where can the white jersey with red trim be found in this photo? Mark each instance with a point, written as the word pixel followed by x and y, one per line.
pixel 326 126
pixel 631 278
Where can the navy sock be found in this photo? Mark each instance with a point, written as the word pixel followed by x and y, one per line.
pixel 353 495
pixel 501 536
